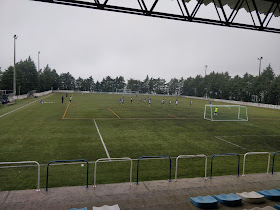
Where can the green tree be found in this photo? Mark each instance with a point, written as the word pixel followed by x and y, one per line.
pixel 7 79
pixel 236 88
pixel 26 76
pixel 79 84
pixel 173 86
pixel 88 84
pixel 188 87
pixel 247 91
pixel 159 86
pixel 55 80
pixel 119 82
pixel 1 73
pixel 67 81
pixel 97 86
pixel 275 91
pixel 266 78
pixel 145 85
pixel 199 86
pixel 133 85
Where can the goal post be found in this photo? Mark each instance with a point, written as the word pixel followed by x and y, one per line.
pixel 225 113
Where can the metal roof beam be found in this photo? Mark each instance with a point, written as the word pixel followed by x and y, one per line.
pixel 186 9
pixel 152 13
pixel 258 15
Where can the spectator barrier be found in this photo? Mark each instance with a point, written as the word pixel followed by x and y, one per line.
pixel 152 157
pixel 144 158
pixel 256 153
pixel 22 162
pixel 63 161
pixel 226 154
pixel 273 161
pixel 109 160
pixel 191 156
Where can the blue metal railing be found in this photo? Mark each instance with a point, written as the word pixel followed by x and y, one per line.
pixel 63 161
pixel 152 157
pixel 226 154
pixel 273 161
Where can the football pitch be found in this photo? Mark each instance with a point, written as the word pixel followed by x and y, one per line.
pixel 95 126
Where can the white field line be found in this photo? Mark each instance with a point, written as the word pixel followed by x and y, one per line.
pixel 102 140
pixel 220 138
pixel 247 135
pixel 22 106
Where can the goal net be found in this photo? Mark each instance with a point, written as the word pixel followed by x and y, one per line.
pixel 6 97
pixel 225 113
pixel 126 91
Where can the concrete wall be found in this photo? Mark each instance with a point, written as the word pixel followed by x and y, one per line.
pixel 25 95
pixel 270 106
pixel 43 93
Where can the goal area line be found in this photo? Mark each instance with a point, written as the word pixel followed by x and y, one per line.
pixel 223 138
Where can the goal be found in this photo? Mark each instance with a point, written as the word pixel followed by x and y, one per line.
pixel 225 113
pixel 126 91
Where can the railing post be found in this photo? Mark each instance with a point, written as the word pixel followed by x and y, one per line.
pixel 273 161
pixel 255 153
pixel 190 156
pixel 63 161
pixel 152 157
pixel 112 159
pixel 226 154
pixel 21 162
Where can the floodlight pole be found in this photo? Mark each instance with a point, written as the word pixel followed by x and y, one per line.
pixel 38 61
pixel 260 59
pixel 14 88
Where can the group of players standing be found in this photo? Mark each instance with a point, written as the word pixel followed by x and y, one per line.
pixel 150 101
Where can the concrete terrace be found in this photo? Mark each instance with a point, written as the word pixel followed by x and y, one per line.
pixel 147 195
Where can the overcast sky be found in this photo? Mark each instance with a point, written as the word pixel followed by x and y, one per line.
pixel 87 42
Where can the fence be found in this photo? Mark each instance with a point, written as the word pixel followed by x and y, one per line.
pixel 143 158
pixel 226 154
pixel 35 94
pixel 256 153
pixel 109 160
pixel 153 157
pixel 63 161
pixel 273 161
pixel 22 162
pixel 270 106
pixel 191 156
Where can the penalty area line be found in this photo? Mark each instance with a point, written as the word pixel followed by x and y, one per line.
pixel 107 153
pixel 219 137
pixel 67 108
pixel 114 113
pixel 173 116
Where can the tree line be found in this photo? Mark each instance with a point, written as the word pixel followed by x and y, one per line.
pixel 264 88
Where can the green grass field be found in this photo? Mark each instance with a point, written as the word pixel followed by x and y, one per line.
pixel 45 132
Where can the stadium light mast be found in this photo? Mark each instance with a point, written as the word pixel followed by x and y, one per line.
pixel 14 85
pixel 260 59
pixel 38 61
pixel 205 70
